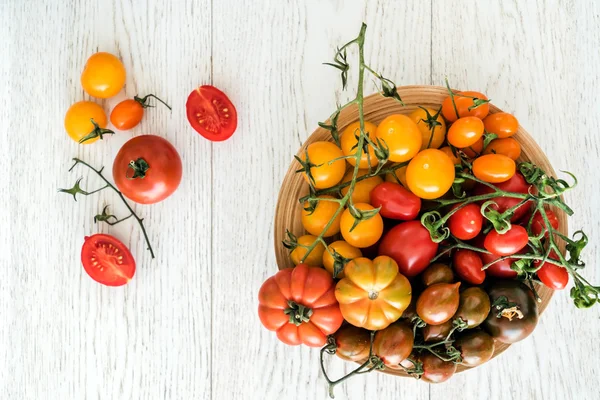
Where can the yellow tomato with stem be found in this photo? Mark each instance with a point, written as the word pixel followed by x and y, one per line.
pixel 465 132
pixel 401 135
pixel 362 189
pixel 85 122
pixel 315 257
pixel 433 130
pixel 344 253
pixel 430 174
pixel 103 75
pixel 315 221
pixel 349 141
pixel 398 175
pixel 324 170
pixel 367 232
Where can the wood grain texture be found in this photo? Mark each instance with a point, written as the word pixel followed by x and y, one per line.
pixel 186 326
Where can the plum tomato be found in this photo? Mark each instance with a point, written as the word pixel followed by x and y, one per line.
pixel 466 223
pixel 315 258
pixel 430 174
pixel 474 306
pixel 499 269
pixel 103 75
pixel 438 303
pixel 476 347
pixel 508 243
pixel 465 132
pixel 211 114
pixel 433 132
pixel 395 201
pixel 324 171
pixel 362 189
pixel 352 343
pixel 502 124
pixel 465 106
pixel 437 333
pixel 516 184
pixel 366 233
pixel 394 344
pixel 349 141
pixel 401 135
pixel 508 147
pixel 552 274
pixel 436 370
pixel 314 221
pixel 106 260
pixel 437 273
pixel 342 250
pixel 494 168
pixel 467 265
pixel 538 225
pixel 410 245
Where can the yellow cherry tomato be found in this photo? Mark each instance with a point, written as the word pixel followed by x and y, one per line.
pixel 400 174
pixel 315 258
pixel 366 233
pixel 345 251
pixel 349 140
pixel 502 124
pixel 465 132
pixel 362 189
pixel 79 125
pixel 430 174
pixel 430 132
pixel 324 173
pixel 494 168
pixel 401 135
pixel 448 151
pixel 103 75
pixel 314 222
pixel 508 147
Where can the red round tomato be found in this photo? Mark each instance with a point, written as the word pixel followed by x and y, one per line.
pixel 499 269
pixel 467 265
pixel 516 184
pixel 508 243
pixel 410 245
pixel 538 225
pixel 106 260
pixel 211 113
pixel 147 169
pixel 465 224
pixel 552 274
pixel 395 201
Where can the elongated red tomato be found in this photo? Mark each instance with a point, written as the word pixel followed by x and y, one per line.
pixel 395 201
pixel 508 243
pixel 538 225
pixel 467 265
pixel 211 113
pixel 516 184
pixel 499 269
pixel 106 260
pixel 551 273
pixel 465 224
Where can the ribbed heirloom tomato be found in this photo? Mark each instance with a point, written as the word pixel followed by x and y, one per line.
pixel 433 133
pixel 373 294
pixel 324 173
pixel 299 304
pixel 401 135
pixel 465 106
pixel 366 233
pixel 103 75
pixel 502 124
pixel 349 141
pixel 430 174
pixel 314 221
pixel 465 132
pixel 344 251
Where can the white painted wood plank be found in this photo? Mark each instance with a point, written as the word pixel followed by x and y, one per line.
pixel 534 59
pixel 271 67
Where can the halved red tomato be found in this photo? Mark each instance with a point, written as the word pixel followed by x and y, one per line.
pixel 106 260
pixel 211 113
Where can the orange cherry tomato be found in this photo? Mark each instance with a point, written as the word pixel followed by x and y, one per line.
pixel 401 135
pixel 463 104
pixel 103 75
pixel 128 113
pixel 474 150
pixel 502 124
pixel 448 151
pixel 508 147
pixel 314 222
pixel 494 168
pixel 465 132
pixel 430 174
pixel 430 131
pixel 324 173
pixel 362 189
pixel 344 254
pixel 349 140
pixel 315 258
pixel 398 175
pixel 85 122
pixel 366 233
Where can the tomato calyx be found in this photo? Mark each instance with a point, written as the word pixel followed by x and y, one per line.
pixel 506 309
pixel 361 215
pixel 298 313
pixel 143 101
pixel 97 132
pixel 139 167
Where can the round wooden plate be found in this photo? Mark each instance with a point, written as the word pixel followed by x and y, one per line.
pixel 376 108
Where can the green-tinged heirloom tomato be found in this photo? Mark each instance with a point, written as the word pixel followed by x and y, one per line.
pixel 394 344
pixel 373 294
pixel 437 273
pixel 438 303
pixel 476 347
pixel 352 343
pixel 436 370
pixel 514 313
pixel 437 333
pixel 473 307
pixel 299 304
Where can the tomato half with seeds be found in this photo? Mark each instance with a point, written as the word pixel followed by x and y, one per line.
pixel 211 113
pixel 466 223
pixel 502 124
pixel 508 243
pixel 494 168
pixel 107 260
pixel 465 106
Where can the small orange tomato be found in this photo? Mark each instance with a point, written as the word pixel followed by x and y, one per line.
pixel 103 75
pixel 474 150
pixel 324 173
pixel 465 106
pixel 344 253
pixel 315 258
pixel 430 174
pixel 400 175
pixel 362 189
pixel 366 233
pixel 494 168
pixel 433 131
pixel 401 135
pixel 465 132
pixel 314 222
pixel 508 147
pixel 85 122
pixel 448 151
pixel 128 113
pixel 349 140
pixel 502 124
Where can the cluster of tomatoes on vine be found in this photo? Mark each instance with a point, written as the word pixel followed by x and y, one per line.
pixel 147 168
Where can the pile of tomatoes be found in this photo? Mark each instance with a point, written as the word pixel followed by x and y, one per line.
pixel 425 264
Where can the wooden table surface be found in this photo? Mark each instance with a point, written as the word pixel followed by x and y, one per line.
pixel 186 327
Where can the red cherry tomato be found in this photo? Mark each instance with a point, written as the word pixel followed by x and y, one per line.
pixel 508 243
pixel 552 274
pixel 106 260
pixel 538 225
pixel 465 224
pixel 516 184
pixel 499 269
pixel 467 265
pixel 211 113
pixel 395 201
pixel 410 245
